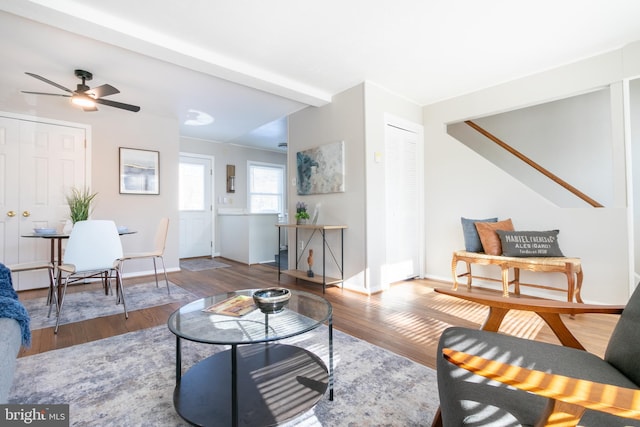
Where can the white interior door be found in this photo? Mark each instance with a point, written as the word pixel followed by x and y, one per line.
pixel 196 208
pixel 41 162
pixel 403 206
pixel 10 213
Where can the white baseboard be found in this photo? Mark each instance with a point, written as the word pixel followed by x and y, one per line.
pixel 149 272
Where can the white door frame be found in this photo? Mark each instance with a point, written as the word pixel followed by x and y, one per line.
pixel 213 192
pixel 87 133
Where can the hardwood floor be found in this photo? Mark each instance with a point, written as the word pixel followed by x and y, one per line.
pixel 406 319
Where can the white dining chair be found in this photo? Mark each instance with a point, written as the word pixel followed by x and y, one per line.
pixel 93 250
pixel 156 253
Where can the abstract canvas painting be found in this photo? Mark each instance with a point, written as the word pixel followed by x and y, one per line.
pixel 321 169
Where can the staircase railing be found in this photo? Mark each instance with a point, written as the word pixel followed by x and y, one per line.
pixel 534 165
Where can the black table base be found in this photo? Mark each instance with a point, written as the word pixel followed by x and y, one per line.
pixel 273 384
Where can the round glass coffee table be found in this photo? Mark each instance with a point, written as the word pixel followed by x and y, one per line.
pixel 265 383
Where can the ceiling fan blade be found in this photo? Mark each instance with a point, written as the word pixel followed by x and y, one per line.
pixel 104 90
pixel 44 93
pixel 89 109
pixel 49 81
pixel 115 104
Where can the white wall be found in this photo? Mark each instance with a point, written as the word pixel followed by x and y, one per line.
pixel 342 120
pixel 357 117
pixel 551 134
pixel 459 182
pixel 139 212
pixel 379 106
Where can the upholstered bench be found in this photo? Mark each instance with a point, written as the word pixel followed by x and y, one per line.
pixel 571 267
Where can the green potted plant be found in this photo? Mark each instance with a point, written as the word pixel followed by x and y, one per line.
pixel 302 216
pixel 80 204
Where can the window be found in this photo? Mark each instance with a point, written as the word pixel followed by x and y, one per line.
pixel 266 188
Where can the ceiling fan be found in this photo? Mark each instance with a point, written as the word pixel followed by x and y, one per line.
pixel 84 96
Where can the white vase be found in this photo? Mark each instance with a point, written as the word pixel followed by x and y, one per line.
pixel 68 226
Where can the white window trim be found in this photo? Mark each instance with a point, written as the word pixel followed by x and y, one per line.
pixel 251 163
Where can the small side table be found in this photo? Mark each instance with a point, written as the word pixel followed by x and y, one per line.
pixel 322 231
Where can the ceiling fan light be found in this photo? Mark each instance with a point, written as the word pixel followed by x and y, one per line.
pixel 84 101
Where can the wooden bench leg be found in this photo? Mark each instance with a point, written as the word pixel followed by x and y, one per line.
pixel 579 286
pixel 454 273
pixel 570 286
pixel 574 283
pixel 516 281
pixel 469 276
pixel 505 280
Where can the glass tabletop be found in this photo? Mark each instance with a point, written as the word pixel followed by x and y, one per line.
pixel 197 321
pixel 57 235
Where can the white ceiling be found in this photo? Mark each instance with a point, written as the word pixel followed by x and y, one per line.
pixel 250 63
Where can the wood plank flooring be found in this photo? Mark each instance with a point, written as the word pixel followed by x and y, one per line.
pixel 406 319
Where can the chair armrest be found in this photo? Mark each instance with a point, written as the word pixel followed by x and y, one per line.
pixel 537 305
pixel 548 310
pixel 576 394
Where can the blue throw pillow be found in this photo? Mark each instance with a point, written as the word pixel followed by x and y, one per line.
pixel 472 241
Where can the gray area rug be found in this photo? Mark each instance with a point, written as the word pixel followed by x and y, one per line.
pixel 94 303
pixel 199 264
pixel 128 380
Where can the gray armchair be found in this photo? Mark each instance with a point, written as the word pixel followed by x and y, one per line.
pixel 483 398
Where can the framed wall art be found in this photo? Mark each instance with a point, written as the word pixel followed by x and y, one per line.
pixel 321 169
pixel 139 171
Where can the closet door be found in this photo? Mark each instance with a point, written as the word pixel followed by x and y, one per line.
pixel 40 162
pixel 403 204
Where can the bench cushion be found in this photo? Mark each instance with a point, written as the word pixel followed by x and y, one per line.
pixel 536 263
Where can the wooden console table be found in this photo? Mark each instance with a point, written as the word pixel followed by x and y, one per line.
pixel 321 230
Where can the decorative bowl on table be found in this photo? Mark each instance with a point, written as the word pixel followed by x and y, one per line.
pixel 271 300
pixel 44 230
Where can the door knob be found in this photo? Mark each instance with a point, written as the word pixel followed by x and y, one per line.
pixel 26 214
pixel 11 214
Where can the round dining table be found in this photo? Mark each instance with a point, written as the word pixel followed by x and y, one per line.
pixel 56 243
